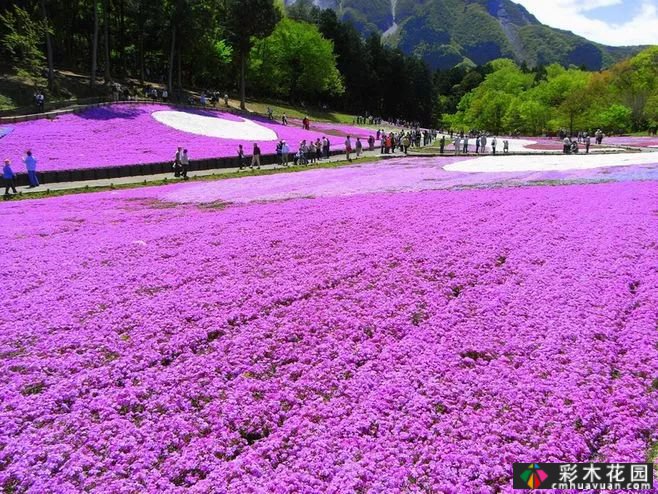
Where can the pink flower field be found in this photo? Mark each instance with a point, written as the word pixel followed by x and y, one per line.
pixel 632 141
pixel 370 341
pixel 128 134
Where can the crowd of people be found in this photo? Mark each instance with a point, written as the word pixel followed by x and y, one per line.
pixel 571 144
pixel 310 152
pixel 463 141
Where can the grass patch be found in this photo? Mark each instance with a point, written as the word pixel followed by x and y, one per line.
pixel 291 111
pixel 652 453
pixel 6 103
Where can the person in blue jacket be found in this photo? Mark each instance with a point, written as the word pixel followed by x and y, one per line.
pixel 9 178
pixel 31 165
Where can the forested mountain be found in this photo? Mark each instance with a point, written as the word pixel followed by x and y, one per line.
pixel 446 33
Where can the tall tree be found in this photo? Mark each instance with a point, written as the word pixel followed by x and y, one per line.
pixel 106 27
pixel 94 47
pixel 49 45
pixel 172 54
pixel 295 61
pixel 22 41
pixel 246 20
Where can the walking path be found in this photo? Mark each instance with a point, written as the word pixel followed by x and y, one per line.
pixel 158 178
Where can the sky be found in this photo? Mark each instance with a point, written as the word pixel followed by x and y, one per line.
pixel 612 22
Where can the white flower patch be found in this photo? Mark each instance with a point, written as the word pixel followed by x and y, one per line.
pixel 502 163
pixel 215 126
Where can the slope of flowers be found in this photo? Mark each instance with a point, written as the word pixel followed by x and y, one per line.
pixel 416 342
pixel 128 134
pixel 414 174
pixel 338 129
pixel 632 141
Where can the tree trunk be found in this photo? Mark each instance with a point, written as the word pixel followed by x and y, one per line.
pixel 243 64
pixel 141 56
pixel 122 39
pixel 141 27
pixel 94 48
pixel 180 68
pixel 49 47
pixel 171 59
pixel 106 22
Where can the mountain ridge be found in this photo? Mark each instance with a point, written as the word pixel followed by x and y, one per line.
pixel 446 33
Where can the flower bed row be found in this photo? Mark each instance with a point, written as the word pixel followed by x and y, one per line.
pixel 118 135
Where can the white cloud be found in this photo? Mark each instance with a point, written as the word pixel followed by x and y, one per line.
pixel 640 29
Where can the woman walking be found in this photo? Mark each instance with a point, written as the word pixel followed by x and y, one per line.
pixel 9 178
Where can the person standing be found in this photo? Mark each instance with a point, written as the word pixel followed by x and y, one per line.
pixel 494 143
pixel 567 145
pixel 284 120
pixel 310 152
pixel 458 142
pixel 477 144
pixel 588 143
pixel 279 153
pixel 442 144
pixel 466 144
pixel 177 162
pixel 483 144
pixel 9 178
pixel 31 166
pixel 255 159
pixel 41 100
pixel 241 156
pixel 285 151
pixel 371 143
pixel 185 163
pixel 505 146
pixel 406 142
pixel 348 148
pixel 326 147
pixel 318 150
pixel 359 147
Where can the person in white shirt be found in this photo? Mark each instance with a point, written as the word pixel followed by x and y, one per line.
pixel 185 163
pixel 348 147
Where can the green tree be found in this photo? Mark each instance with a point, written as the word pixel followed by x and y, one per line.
pixel 22 42
pixel 295 61
pixel 534 116
pixel 615 118
pixel 652 110
pixel 245 21
pixel 635 80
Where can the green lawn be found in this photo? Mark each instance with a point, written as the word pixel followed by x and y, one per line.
pixel 291 111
